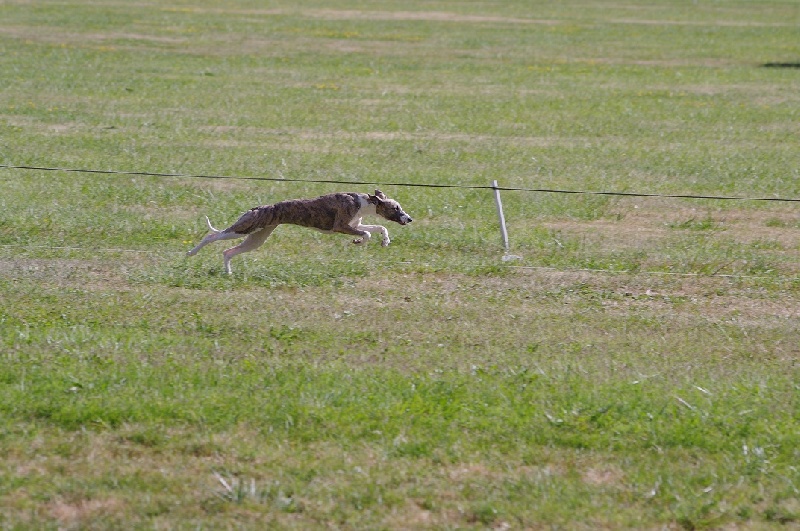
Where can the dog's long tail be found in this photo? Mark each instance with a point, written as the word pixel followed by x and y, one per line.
pixel 211 227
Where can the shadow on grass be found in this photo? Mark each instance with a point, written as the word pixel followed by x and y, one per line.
pixel 782 65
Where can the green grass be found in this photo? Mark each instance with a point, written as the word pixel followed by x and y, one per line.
pixel 635 368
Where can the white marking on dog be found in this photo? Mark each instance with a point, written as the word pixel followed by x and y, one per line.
pixel 339 212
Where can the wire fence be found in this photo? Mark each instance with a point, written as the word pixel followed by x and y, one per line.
pixel 494 187
pixel 404 184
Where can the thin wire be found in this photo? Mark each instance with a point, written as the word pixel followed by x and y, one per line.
pixel 418 185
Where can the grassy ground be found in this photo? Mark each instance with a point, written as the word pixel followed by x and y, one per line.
pixel 637 367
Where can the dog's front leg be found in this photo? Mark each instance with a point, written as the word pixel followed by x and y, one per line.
pixel 379 229
pixel 363 235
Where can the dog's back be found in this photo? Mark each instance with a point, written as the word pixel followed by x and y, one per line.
pixel 319 213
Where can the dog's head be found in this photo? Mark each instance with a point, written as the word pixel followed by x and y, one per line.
pixel 389 208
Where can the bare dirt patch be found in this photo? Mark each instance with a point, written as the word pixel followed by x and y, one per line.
pixel 52 35
pixel 603 477
pixel 86 274
pixel 644 224
pixel 77 512
pixel 428 16
pixel 713 23
pixel 288 137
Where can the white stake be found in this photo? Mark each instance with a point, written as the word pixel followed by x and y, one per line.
pixel 502 218
pixel 500 215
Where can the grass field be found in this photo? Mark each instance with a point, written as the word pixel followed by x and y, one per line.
pixel 637 367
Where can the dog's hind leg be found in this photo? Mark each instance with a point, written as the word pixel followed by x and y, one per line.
pixel 215 235
pixel 211 238
pixel 252 242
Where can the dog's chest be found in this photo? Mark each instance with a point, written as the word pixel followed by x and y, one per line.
pixel 365 208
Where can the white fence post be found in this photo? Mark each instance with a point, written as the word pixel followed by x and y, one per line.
pixel 500 215
pixel 502 218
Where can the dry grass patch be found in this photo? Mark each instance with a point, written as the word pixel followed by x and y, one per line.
pixel 663 234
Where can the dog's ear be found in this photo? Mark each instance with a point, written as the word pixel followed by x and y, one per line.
pixel 380 195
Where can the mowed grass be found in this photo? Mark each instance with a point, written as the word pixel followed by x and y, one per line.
pixel 636 367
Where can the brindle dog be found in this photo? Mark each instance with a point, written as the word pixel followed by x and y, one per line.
pixel 339 212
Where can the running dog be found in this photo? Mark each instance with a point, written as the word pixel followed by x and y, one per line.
pixel 339 212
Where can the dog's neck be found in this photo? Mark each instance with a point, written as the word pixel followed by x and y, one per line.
pixel 368 207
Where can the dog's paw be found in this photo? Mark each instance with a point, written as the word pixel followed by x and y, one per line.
pixel 358 241
pixel 386 242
